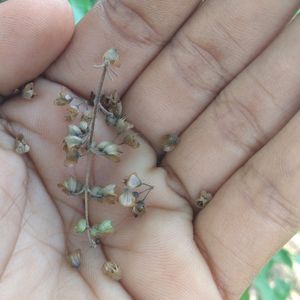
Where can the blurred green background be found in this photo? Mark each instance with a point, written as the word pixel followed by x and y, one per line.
pixel 280 278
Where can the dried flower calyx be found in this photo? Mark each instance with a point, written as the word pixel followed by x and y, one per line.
pixel 111 58
pixel 113 104
pixel 169 142
pixel 74 258
pixel 75 142
pixel 21 146
pixel 63 99
pixel 131 140
pixel 203 199
pixel 81 226
pixel 108 150
pixel 100 229
pixel 104 227
pixel 107 192
pixel 112 270
pixel 114 113
pixel 119 123
pixel 28 91
pixel 71 186
pixel 133 195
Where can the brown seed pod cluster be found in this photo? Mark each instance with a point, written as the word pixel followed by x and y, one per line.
pixel 80 142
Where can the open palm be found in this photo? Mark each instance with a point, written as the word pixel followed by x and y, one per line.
pixel 224 78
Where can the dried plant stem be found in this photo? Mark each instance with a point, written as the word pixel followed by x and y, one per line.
pixel 96 103
pixel 90 156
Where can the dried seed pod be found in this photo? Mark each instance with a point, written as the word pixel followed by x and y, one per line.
pixel 103 192
pixel 127 198
pixel 84 126
pixel 111 57
pixel 74 258
pixel 113 104
pixel 74 130
pixel 28 91
pixel 169 142
pixel 131 140
pixel 122 125
pixel 63 99
pixel 139 209
pixel 87 116
pixel 72 157
pixel 112 270
pixel 104 227
pixel 109 150
pixel 21 146
pixel 203 199
pixel 71 186
pixel 72 141
pixel 81 226
pixel 72 113
pixel 133 181
pixel 111 120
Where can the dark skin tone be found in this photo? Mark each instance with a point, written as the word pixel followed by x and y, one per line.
pixel 239 60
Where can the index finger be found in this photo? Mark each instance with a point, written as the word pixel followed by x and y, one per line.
pixel 32 34
pixel 137 28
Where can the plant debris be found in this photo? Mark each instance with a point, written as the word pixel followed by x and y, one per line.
pixel 203 199
pixel 112 270
pixel 21 147
pixel 169 142
pixel 74 258
pixel 28 91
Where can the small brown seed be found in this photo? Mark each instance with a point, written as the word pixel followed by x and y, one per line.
pixel 112 270
pixel 74 258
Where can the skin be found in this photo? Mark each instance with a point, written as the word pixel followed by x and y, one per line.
pixel 224 75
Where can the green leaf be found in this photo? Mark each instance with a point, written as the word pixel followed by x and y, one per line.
pixel 297 258
pixel 282 289
pixel 283 256
pixel 81 7
pixel 245 296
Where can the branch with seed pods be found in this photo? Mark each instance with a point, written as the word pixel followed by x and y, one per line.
pixel 80 142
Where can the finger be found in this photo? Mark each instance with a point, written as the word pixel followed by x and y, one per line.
pixel 255 213
pixel 32 35
pixel 242 118
pixel 138 29
pixel 215 44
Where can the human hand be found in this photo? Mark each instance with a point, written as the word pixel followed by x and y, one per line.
pixel 232 148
